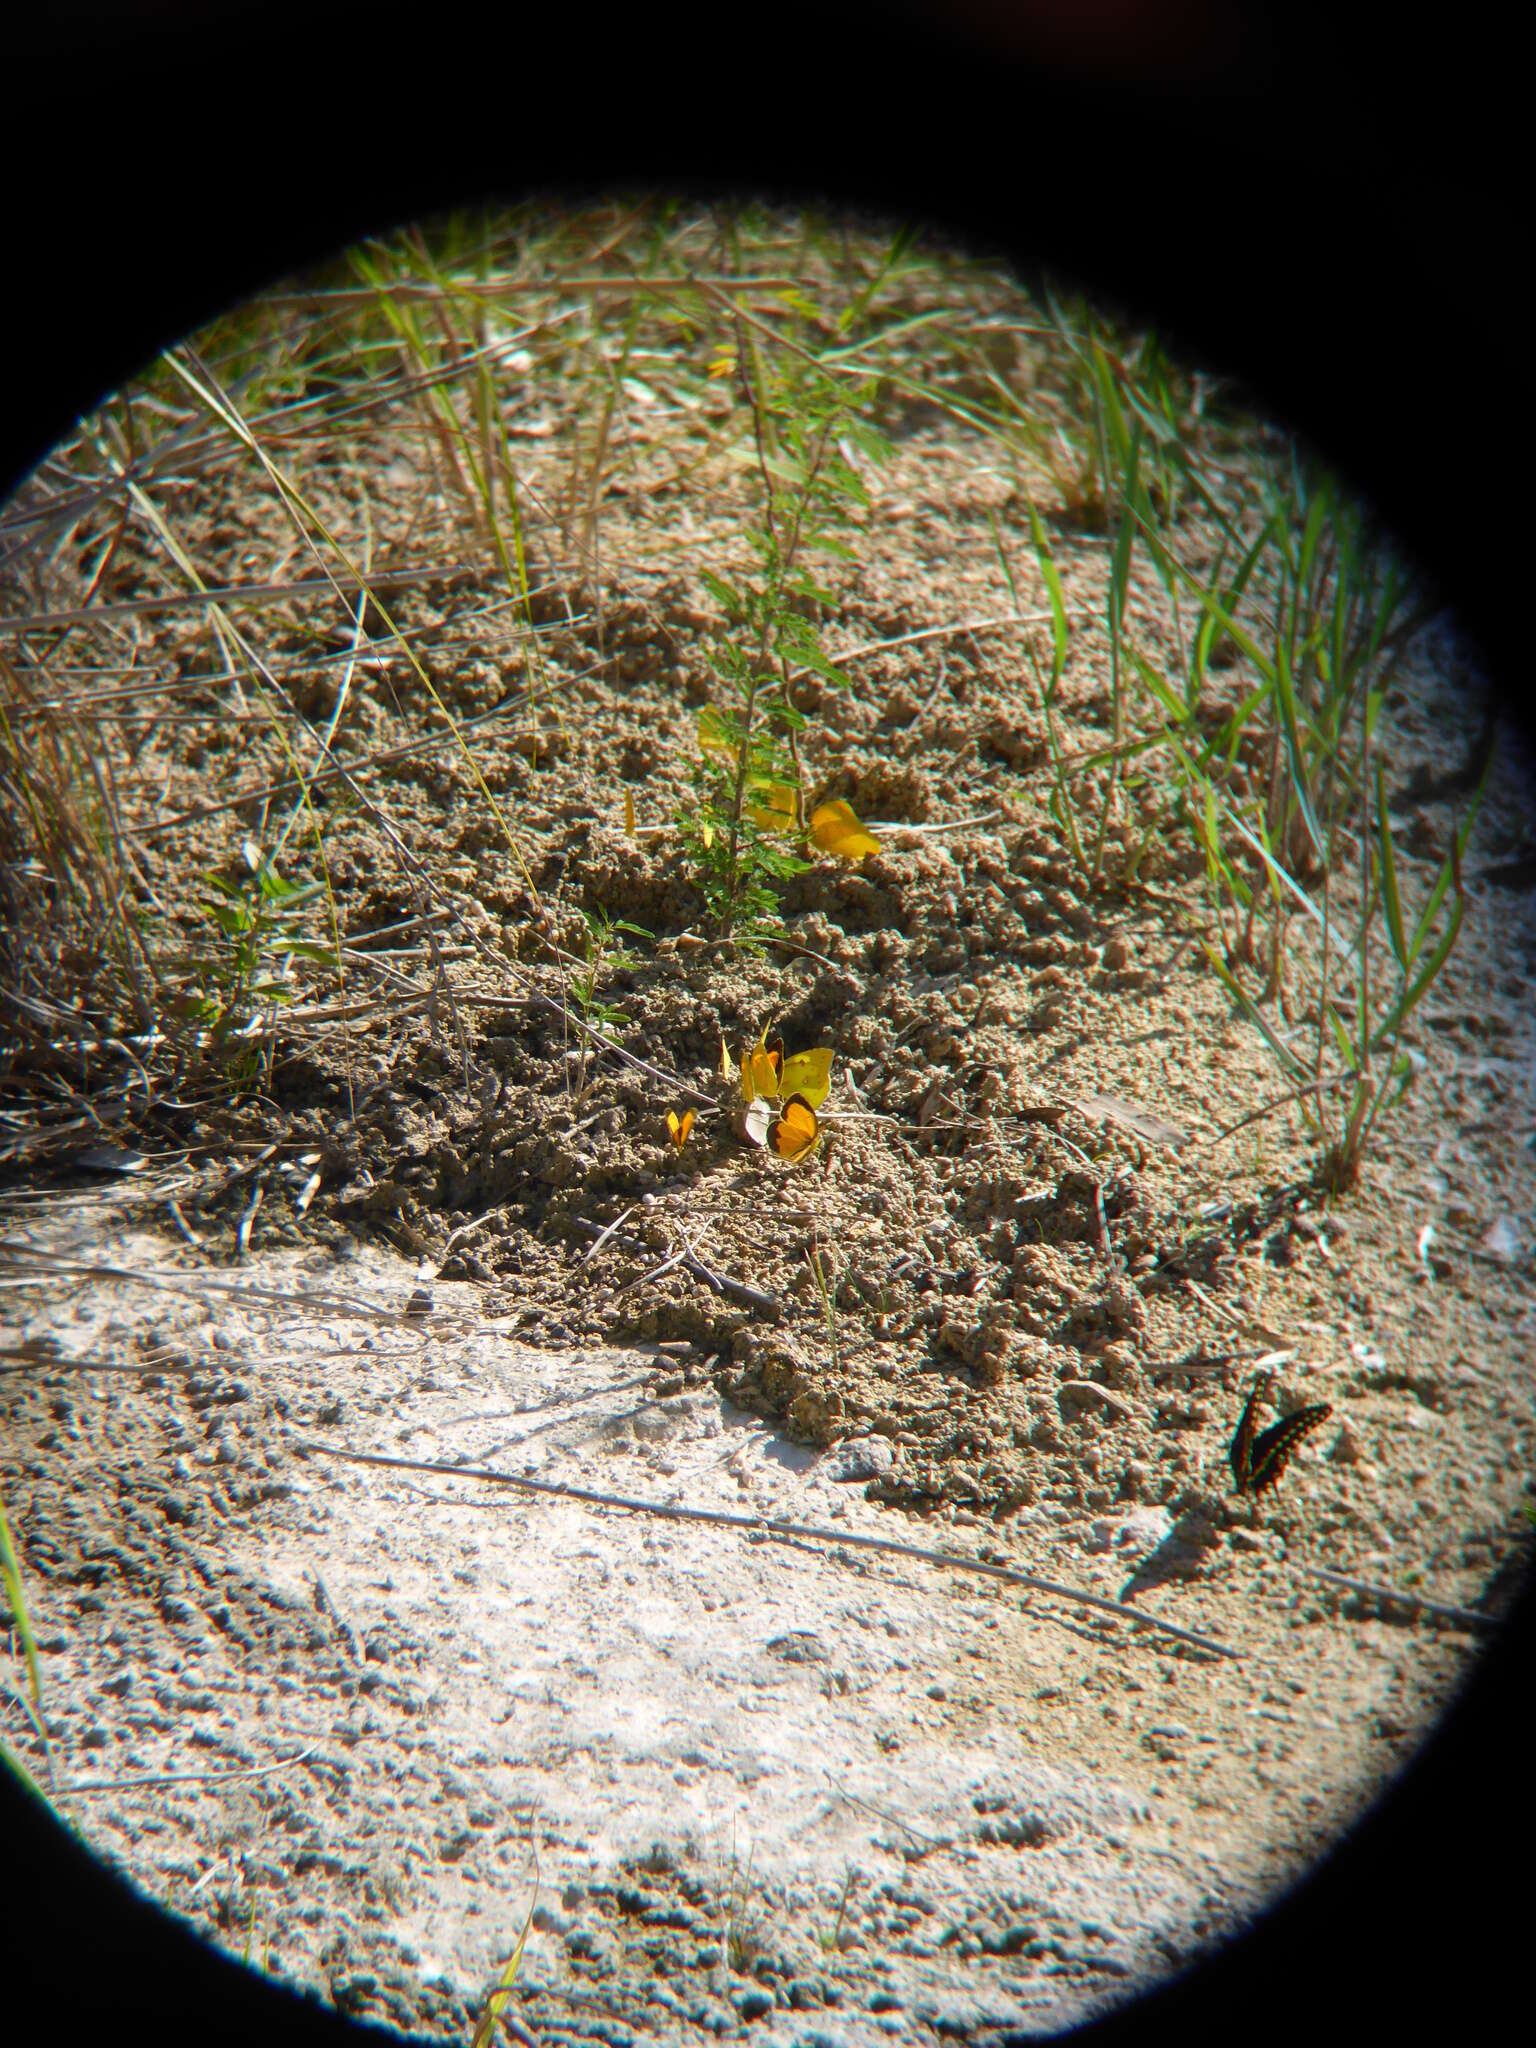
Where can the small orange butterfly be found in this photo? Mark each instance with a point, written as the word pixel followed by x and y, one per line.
pixel 797 1132
pixel 762 1068
pixel 678 1127
pixel 836 829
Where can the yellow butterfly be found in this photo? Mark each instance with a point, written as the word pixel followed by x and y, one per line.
pixel 808 1075
pixel 766 1071
pixel 797 1132
pixel 762 1068
pixel 836 829
pixel 773 806
pixel 678 1127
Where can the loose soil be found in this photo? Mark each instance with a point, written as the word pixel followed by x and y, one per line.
pixel 786 1790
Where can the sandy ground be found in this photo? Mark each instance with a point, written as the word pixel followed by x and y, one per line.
pixel 366 1717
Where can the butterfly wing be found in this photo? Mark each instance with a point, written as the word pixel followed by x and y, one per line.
pixel 797 1131
pixel 679 1127
pixel 762 1068
pixel 808 1074
pixel 1241 1452
pixel 1271 1452
pixel 836 829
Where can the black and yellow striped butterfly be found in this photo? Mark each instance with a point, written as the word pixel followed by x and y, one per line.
pixel 1258 1460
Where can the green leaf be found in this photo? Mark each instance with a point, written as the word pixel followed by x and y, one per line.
pixel 1211 604
pixel 1286 694
pixel 231 918
pixel 1388 863
pixel 1348 1052
pixel 1317 513
pixel 1210 624
pixel 1289 1061
pixel 725 594
pixel 1172 703
pixel 829 544
pixel 825 666
pixel 1409 1001
pixel 1054 594
pixel 1120 567
pixel 10 1578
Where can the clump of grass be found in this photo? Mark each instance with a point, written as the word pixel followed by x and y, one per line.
pixel 71 885
pixel 831 1942
pixel 1287 802
pixel 1244 693
pixel 741 1914
pixel 1274 787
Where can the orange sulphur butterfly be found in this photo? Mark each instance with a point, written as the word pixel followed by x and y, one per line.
pixel 762 1068
pixel 836 829
pixel 797 1131
pixel 678 1127
pixel 773 805
pixel 808 1075
pixel 766 1071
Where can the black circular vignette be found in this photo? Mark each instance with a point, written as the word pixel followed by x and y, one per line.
pixel 1318 207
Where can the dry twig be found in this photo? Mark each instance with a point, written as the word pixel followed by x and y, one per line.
pixel 779 1531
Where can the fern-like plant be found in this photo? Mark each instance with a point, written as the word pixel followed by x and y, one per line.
pixel 807 432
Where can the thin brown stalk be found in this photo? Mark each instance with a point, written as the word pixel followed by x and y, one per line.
pixel 778 1530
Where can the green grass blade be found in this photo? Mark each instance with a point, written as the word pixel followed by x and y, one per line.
pixel 1388 868
pixel 1446 874
pixel 1169 698
pixel 1409 1001
pixel 496 2003
pixel 1055 596
pixel 300 505
pixel 1209 602
pixel 10 1579
pixel 1285 694
pixel 1341 1038
pixel 1290 1062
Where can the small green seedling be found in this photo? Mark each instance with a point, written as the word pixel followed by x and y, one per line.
pixel 248 974
pixel 828 1279
pixel 605 953
pixel 830 1943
